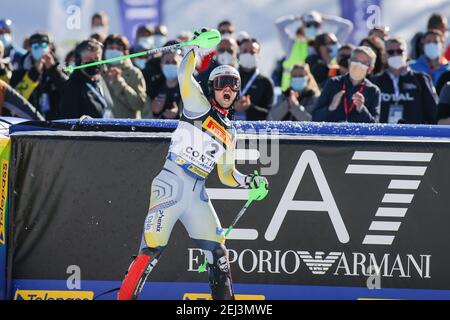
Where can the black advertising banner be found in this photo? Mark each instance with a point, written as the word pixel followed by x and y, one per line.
pixel 343 216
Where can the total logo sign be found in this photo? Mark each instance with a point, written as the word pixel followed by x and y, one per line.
pixel 388 218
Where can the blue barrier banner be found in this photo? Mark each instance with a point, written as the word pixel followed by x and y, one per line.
pixel 364 14
pixel 134 13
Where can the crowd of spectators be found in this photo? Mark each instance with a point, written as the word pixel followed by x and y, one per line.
pixel 322 77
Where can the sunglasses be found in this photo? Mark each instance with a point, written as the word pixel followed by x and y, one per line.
pixel 222 82
pixel 362 62
pixel 393 52
pixel 230 51
pixel 38 45
pixel 312 24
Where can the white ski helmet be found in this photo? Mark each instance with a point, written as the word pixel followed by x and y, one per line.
pixel 224 70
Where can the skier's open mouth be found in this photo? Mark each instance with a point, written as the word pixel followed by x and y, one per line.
pixel 227 97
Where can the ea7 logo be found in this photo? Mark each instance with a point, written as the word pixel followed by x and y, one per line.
pixel 367 165
pixel 319 264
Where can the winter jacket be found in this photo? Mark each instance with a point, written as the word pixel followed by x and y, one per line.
pixel 302 112
pixel 334 85
pixel 422 64
pixel 128 92
pixel 416 102
pixel 42 90
pixel 85 97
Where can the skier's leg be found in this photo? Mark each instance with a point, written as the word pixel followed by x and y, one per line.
pixel 166 205
pixel 203 225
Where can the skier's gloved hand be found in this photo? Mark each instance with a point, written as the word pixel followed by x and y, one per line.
pixel 199 32
pixel 253 181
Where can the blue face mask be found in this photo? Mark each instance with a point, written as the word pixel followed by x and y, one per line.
pixel 299 83
pixel 170 71
pixel 38 50
pixel 159 40
pixel 6 39
pixel 311 32
pixel 333 50
pixel 110 53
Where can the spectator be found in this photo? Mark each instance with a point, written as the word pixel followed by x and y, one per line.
pixel 352 97
pixel 100 37
pixel 443 79
pixel 407 96
pixel 69 60
pixel 381 32
pixel 312 24
pixel 432 61
pixel 139 62
pixel 100 24
pixel 160 35
pixel 11 52
pixel 166 100
pixel 5 66
pixel 144 38
pixel 326 48
pixel 343 58
pixel 416 46
pixel 125 82
pixel 297 103
pixel 444 105
pixel 257 93
pixel 39 79
pixel 377 45
pixel 439 22
pixel 226 54
pixel 227 29
pixel 86 92
pixel 12 104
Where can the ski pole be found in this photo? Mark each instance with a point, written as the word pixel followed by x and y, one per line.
pixel 254 195
pixel 205 40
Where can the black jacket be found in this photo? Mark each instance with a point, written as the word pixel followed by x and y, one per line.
pixel 261 94
pixel 444 103
pixel 79 98
pixel 371 94
pixel 443 79
pixel 47 95
pixel 417 97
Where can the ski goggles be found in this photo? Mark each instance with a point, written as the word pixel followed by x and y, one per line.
pixel 222 82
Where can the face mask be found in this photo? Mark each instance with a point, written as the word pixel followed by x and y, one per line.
pixel 109 54
pixel 99 30
pixel 160 40
pixel 39 52
pixel 140 63
pixel 299 83
pixel 358 71
pixel 227 35
pixel 311 32
pixel 333 50
pixel 146 42
pixel 226 58
pixel 248 61
pixel 6 39
pixel 396 62
pixel 433 50
pixel 170 71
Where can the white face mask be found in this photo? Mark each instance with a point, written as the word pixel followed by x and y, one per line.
pixel 100 30
pixel 248 61
pixel 358 70
pixel 433 50
pixel 226 58
pixel 396 62
pixel 159 40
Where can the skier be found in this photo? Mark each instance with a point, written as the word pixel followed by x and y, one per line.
pixel 204 137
